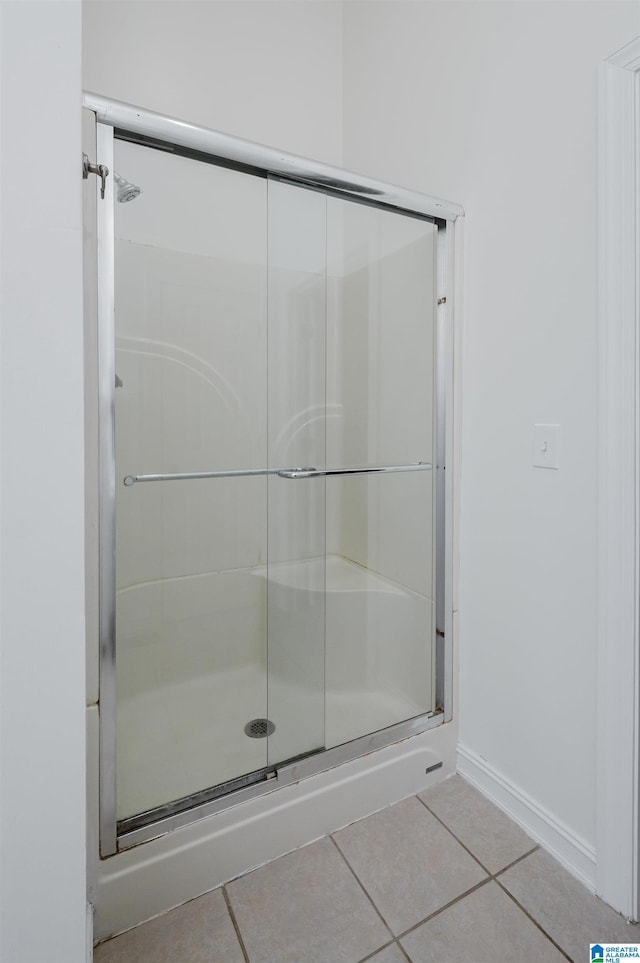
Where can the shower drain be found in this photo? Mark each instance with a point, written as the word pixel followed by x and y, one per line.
pixel 259 728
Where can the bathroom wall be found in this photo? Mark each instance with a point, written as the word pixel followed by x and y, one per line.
pixel 270 72
pixel 494 105
pixel 42 639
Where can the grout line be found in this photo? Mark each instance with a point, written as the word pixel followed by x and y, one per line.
pixel 494 877
pixel 386 946
pixel 534 921
pixel 359 882
pixel 235 924
pixel 372 956
pixel 491 877
pixel 451 832
pixel 446 906
pixel 533 850
pixel 403 951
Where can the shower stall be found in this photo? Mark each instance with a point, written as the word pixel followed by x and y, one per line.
pixel 275 543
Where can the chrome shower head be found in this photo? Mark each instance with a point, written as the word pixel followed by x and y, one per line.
pixel 125 191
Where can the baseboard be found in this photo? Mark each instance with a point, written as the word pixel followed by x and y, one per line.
pixel 573 852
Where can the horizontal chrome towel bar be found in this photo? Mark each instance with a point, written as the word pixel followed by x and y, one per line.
pixel 373 470
pixel 281 472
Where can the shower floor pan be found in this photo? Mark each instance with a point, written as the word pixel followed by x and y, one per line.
pixel 176 739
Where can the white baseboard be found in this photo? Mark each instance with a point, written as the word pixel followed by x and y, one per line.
pixel 573 852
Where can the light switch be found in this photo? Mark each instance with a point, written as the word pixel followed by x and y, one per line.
pixel 546 446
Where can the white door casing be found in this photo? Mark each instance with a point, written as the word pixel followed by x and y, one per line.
pixel 618 697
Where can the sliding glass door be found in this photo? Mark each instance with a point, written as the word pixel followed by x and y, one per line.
pixel 191 389
pixel 351 403
pixel 380 620
pixel 274 501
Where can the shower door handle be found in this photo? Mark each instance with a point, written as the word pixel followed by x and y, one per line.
pixel 195 475
pixel 366 470
pixel 281 472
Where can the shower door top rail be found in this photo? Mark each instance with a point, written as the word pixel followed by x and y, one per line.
pixel 170 130
pixel 281 472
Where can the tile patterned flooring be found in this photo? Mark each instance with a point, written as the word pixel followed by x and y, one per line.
pixel 444 876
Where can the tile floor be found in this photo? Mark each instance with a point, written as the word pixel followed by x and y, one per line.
pixel 444 876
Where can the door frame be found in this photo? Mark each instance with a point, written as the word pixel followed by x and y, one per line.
pixel 618 665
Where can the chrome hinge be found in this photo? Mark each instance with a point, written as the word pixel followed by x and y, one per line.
pixel 99 169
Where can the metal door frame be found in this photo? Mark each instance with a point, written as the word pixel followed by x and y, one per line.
pixel 120 120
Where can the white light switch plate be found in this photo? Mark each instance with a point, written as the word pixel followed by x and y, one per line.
pixel 546 446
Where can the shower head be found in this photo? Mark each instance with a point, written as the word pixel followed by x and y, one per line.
pixel 125 191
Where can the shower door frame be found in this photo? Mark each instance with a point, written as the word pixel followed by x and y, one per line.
pixel 115 119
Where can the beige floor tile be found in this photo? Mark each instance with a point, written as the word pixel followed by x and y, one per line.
pixel 306 907
pixel 392 954
pixel 484 927
pixel 482 827
pixel 408 863
pixel 568 912
pixel 198 932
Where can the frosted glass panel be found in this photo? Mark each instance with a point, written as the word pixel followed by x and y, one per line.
pixel 191 318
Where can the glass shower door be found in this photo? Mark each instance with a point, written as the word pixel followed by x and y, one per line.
pixel 352 347
pixel 380 587
pixel 297 437
pixel 274 413
pixel 191 367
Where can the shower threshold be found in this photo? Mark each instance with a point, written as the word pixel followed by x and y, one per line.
pixel 203 796
pixel 156 822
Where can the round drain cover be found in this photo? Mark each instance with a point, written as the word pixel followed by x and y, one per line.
pixel 259 728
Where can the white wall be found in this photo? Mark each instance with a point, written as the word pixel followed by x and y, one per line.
pixel 42 815
pixel 267 71
pixel 494 105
